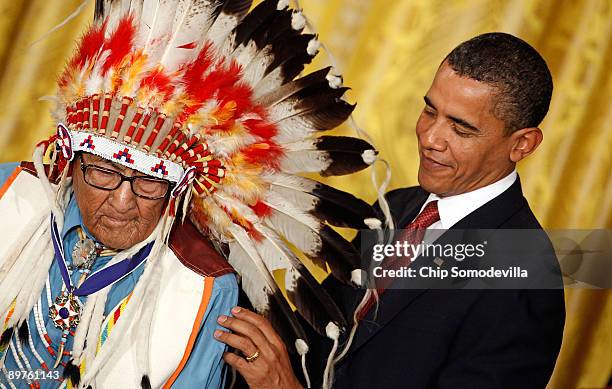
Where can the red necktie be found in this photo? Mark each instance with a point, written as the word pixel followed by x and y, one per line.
pixel 413 234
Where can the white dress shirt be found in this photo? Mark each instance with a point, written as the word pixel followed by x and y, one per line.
pixel 454 208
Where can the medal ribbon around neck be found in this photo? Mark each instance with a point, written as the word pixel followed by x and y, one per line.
pixel 98 279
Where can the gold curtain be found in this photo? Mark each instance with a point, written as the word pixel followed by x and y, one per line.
pixel 388 52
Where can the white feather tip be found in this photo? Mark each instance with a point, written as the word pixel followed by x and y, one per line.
pixel 334 81
pixel 301 346
pixel 313 47
pixel 357 277
pixel 332 331
pixel 373 223
pixel 298 21
pixel 369 156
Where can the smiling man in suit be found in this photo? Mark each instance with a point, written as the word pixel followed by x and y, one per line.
pixel 480 118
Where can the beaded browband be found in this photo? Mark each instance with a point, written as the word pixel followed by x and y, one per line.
pixel 136 143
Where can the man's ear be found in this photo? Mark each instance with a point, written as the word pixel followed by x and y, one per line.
pixel 524 142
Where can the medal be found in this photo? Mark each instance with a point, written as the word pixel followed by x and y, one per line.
pixel 65 314
pixel 65 311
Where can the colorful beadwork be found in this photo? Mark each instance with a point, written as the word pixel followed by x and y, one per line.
pixel 112 320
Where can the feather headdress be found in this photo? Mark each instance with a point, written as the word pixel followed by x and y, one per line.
pixel 209 96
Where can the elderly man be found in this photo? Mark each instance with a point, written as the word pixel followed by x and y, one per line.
pixel 181 130
pixel 113 208
pixel 480 118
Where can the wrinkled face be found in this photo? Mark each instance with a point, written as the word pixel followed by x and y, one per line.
pixel 119 219
pixel 462 145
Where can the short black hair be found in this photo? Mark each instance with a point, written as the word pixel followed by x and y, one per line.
pixel 516 69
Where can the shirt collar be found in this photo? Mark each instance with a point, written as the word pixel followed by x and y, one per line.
pixel 454 208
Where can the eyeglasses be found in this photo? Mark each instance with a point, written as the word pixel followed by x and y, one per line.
pixel 107 179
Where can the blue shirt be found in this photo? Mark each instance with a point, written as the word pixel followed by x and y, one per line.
pixel 204 368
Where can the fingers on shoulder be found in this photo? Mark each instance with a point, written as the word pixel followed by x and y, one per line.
pixel 261 323
pixel 241 343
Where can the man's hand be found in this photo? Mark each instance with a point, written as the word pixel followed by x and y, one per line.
pixel 253 335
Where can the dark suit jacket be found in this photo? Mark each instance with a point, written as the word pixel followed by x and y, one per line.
pixel 451 338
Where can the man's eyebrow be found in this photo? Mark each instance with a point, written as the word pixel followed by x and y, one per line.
pixel 457 120
pixel 428 102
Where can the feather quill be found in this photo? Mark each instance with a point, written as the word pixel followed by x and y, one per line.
pixel 334 206
pixel 192 20
pixel 309 297
pixel 231 14
pixel 328 155
pixel 319 242
pixel 322 118
pixel 159 26
pixel 260 287
pixel 290 88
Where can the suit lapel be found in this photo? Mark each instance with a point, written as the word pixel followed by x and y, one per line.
pixel 490 216
pixel 410 208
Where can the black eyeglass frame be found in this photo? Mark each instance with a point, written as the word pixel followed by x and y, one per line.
pixel 130 179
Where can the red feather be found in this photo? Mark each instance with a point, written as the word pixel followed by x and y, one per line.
pixel 239 93
pixel 210 84
pixel 203 90
pixel 261 128
pixel 265 153
pixel 63 79
pixel 218 80
pixel 254 234
pixel 200 88
pixel 156 79
pixel 192 77
pixel 261 209
pixel 120 43
pixel 89 45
